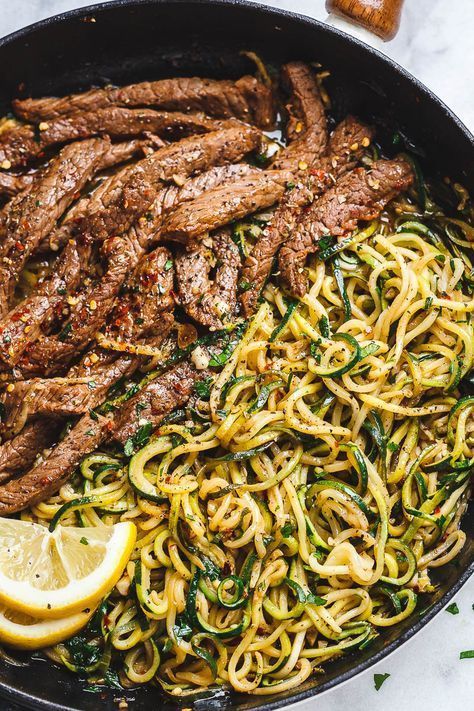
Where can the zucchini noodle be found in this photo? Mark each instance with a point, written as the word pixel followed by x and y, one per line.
pixel 294 511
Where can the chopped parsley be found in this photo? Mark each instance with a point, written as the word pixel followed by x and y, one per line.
pixel 138 440
pixel 468 654
pixel 64 334
pixel 286 530
pixel 168 265
pixel 203 388
pixel 245 285
pixel 379 679
pixel 84 541
pixel 453 609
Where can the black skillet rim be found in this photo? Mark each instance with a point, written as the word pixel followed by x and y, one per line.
pixel 27 700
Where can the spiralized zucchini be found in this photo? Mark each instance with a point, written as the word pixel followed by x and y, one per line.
pixel 299 509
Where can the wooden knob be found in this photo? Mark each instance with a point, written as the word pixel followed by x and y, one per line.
pixel 379 16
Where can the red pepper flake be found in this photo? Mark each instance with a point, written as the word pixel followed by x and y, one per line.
pixel 318 173
pixel 20 247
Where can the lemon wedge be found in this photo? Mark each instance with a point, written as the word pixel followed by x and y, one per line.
pixel 25 632
pixel 52 575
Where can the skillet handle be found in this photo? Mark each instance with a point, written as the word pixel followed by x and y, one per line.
pixel 379 16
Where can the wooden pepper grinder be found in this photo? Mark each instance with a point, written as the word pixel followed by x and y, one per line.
pixel 379 16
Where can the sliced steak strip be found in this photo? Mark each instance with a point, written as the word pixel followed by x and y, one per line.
pixel 23 324
pixel 118 153
pixel 359 195
pixel 51 353
pixel 305 107
pixel 210 303
pixel 25 142
pixel 126 150
pixel 18 454
pixel 49 475
pixel 62 397
pixel 307 127
pixel 158 398
pixel 148 228
pixel 31 216
pixel 13 183
pixel 345 149
pixel 216 208
pixel 148 294
pixel 155 400
pixel 134 191
pixel 246 99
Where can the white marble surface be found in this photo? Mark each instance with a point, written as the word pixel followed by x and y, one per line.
pixel 434 43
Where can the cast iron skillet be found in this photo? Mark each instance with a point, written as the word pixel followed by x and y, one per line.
pixel 132 40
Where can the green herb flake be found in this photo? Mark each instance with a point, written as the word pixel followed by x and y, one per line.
pixel 203 388
pixel 168 265
pixel 64 334
pixel 245 285
pixel 468 654
pixel 312 599
pixel 379 679
pixel 84 541
pixel 286 530
pixel 453 609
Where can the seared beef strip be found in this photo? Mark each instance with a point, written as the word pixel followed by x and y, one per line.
pixel 216 208
pixel 50 353
pixel 62 397
pixel 126 150
pixel 155 400
pixel 359 195
pixel 134 191
pixel 346 145
pixel 118 153
pixel 209 303
pixel 305 108
pixel 32 215
pixel 149 293
pixel 13 183
pixel 25 142
pixel 307 128
pixel 22 325
pixel 246 99
pixel 158 398
pixel 18 454
pixel 47 476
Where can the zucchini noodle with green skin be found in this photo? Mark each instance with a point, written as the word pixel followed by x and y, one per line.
pixel 324 478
